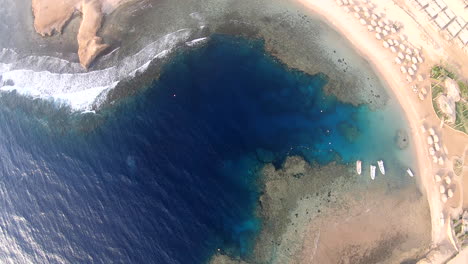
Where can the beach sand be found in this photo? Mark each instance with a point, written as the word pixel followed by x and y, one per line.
pixel 417 112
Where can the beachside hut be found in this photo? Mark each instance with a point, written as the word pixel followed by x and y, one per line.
pixel 378 36
pixel 447 180
pixel 421 96
pixel 394 50
pixel 450 193
pixel 443 197
pixel 363 21
pixel 437 178
pixel 431 131
pixel 403 69
pixel 442 188
pixel 441 161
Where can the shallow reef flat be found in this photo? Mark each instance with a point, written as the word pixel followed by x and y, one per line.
pixel 329 214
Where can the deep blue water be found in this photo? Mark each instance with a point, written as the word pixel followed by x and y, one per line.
pixel 171 175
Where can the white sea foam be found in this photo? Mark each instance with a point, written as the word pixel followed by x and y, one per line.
pixel 66 83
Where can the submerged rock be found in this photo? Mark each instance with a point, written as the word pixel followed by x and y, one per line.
pixel 402 139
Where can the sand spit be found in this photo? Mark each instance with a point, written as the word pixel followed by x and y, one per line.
pixel 51 16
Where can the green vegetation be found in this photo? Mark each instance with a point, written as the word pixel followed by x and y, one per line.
pixel 457 166
pixel 439 74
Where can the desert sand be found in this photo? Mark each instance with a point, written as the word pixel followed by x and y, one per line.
pixel 51 16
pixel 417 112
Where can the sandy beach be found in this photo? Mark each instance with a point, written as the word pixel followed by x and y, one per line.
pixel 418 113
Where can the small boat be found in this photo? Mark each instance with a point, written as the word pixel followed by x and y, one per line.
pixel 358 167
pixel 410 172
pixel 372 171
pixel 381 166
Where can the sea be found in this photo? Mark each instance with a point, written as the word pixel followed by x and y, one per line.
pixel 172 174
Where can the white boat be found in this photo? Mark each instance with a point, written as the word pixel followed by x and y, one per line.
pixel 410 172
pixel 381 166
pixel 372 171
pixel 358 167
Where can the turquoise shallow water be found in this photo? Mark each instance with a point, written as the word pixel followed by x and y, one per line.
pixel 170 175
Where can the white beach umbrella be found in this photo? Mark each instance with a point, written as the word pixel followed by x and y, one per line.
pixel 408 57
pixel 431 151
pixel 409 78
pixel 436 146
pixel 443 197
pixel 339 2
pixel 357 15
pixel 396 42
pixel 402 47
pixel 414 67
pixel 378 36
pixel 447 180
pixel 363 21
pixel 441 161
pixel 423 90
pixel 370 28
pixel 441 189
pixel 409 51
pixel 420 59
pixel 393 49
pixel 375 17
pixel 403 37
pixel 435 137
pixel 401 56
pixel 365 9
pixel 373 23
pixel 403 69
pixel 414 60
pixel 381 23
pixel 431 131
pixel 385 32
pixel 390 42
pixel 387 28
pixel 437 178
pixel 378 29
pixel 430 141
pixel 434 159
pixel 357 9
pixel 346 9
pixel 411 71
pixel 450 193
pixel 385 44
pixel 397 60
pixel 393 30
pixel 367 14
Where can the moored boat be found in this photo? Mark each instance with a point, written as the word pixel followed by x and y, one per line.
pixel 381 166
pixel 358 167
pixel 410 172
pixel 372 171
